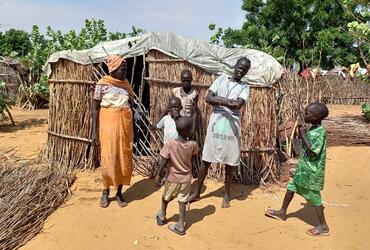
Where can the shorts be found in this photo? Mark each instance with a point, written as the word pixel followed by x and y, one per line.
pixel 311 196
pixel 181 190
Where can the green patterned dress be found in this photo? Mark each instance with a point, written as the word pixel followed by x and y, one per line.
pixel 309 177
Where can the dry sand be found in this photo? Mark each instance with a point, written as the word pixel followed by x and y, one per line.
pixel 82 224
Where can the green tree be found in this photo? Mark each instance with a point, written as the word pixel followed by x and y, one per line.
pixel 14 41
pixel 360 29
pixel 37 55
pixel 308 31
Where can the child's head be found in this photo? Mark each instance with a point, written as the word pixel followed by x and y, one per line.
pixel 184 126
pixel 186 79
pixel 175 107
pixel 241 68
pixel 315 112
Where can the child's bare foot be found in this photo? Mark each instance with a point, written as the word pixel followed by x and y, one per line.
pixel 226 201
pixel 104 201
pixel 276 214
pixel 121 201
pixel 320 230
pixel 178 229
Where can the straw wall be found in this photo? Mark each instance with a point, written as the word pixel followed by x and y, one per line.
pixel 12 81
pixel 258 118
pixel 70 115
pixel 297 92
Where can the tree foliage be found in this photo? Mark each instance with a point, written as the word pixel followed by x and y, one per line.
pixel 308 31
pixel 360 30
pixel 14 42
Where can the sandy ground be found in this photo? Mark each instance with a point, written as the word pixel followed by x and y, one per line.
pixel 82 224
pixel 28 136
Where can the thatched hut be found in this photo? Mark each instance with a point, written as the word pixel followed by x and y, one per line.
pixel 13 73
pixel 155 61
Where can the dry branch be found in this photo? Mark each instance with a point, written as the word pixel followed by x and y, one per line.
pixel 29 193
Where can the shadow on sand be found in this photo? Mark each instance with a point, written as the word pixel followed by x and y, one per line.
pixel 8 128
pixel 140 190
pixel 238 191
pixel 306 214
pixel 195 215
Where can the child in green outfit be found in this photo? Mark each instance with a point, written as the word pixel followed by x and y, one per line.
pixel 308 179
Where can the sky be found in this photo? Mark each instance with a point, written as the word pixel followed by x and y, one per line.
pixel 188 18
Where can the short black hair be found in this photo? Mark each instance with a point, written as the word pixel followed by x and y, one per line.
pixel 319 109
pixel 184 125
pixel 187 72
pixel 175 99
pixel 248 62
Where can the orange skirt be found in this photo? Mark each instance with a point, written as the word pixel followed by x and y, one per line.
pixel 116 141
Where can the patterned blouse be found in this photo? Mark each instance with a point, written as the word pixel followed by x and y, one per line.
pixel 111 96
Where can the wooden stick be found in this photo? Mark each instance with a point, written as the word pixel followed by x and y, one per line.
pixel 258 149
pixel 133 72
pixel 142 78
pixel 10 116
pixel 70 137
pixel 165 60
pixel 71 81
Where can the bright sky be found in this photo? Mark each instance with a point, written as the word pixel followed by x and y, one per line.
pixel 189 18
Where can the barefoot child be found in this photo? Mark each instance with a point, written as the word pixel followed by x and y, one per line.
pixel 308 179
pixel 177 154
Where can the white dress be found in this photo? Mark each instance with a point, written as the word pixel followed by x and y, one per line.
pixel 222 143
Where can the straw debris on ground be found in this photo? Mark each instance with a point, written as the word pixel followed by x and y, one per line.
pixel 29 193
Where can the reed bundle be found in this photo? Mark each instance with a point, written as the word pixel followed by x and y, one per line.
pixel 347 131
pixel 29 193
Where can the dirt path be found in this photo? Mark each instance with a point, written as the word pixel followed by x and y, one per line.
pixel 81 224
pixel 28 136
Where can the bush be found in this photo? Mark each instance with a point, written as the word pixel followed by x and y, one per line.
pixel 365 108
pixel 36 95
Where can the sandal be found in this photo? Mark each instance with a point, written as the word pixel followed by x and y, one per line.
pixel 270 213
pixel 160 222
pixel 316 232
pixel 104 201
pixel 121 201
pixel 173 228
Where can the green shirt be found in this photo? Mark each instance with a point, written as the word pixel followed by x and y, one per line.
pixel 310 171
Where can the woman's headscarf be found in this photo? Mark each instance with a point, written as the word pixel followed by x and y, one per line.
pixel 114 62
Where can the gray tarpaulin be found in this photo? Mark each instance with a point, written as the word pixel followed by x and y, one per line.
pixel 265 70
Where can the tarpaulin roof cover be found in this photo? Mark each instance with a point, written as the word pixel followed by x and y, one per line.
pixel 265 70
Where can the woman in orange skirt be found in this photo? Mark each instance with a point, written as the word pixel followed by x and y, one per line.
pixel 112 115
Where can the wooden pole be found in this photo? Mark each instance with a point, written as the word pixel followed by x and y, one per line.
pixel 142 78
pixel 133 72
